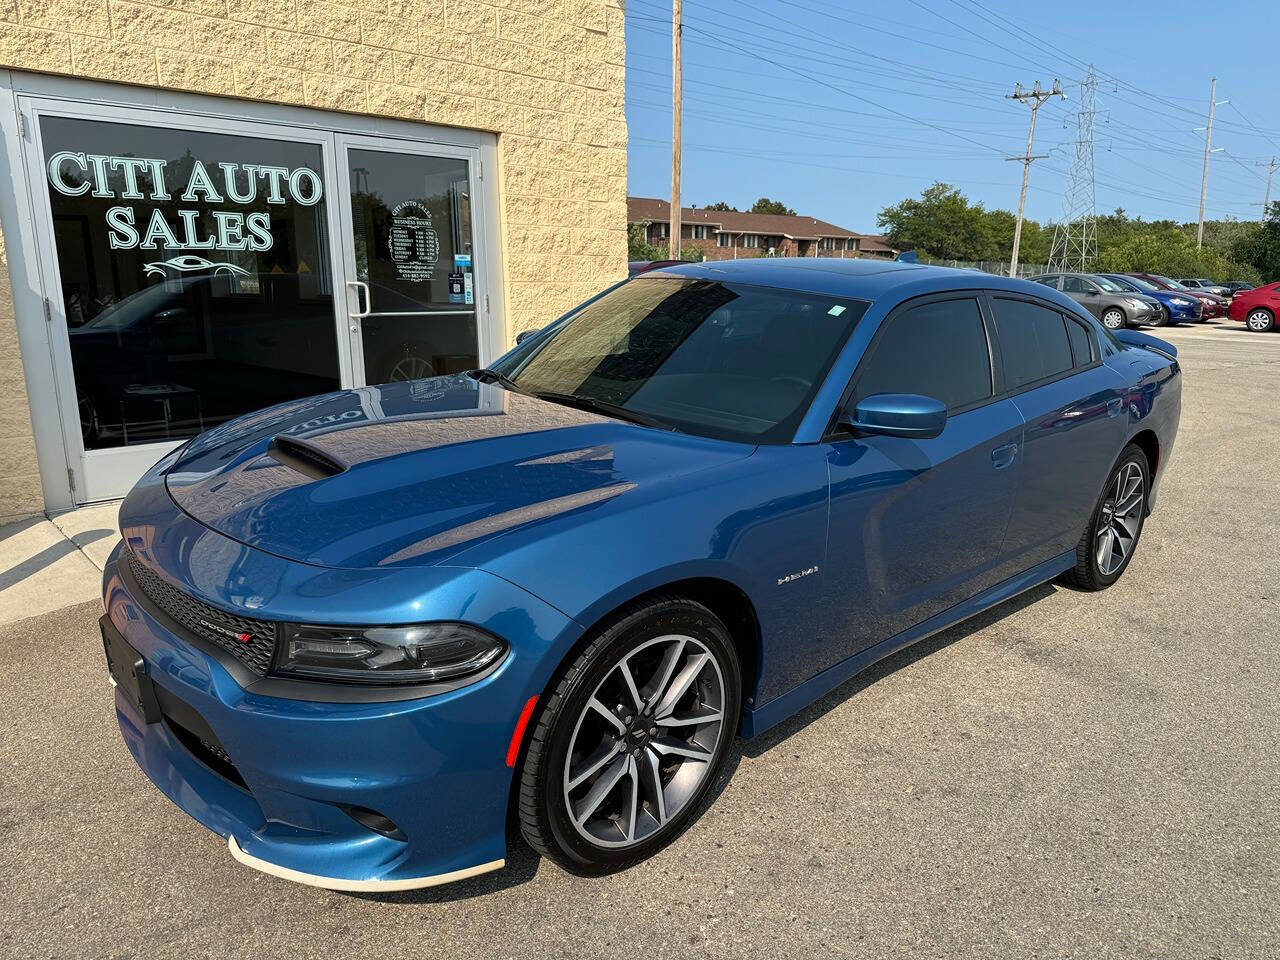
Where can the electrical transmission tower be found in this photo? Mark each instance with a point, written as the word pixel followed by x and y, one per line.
pixel 1075 239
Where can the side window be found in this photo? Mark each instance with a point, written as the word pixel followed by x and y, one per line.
pixel 1033 341
pixel 1081 342
pixel 1050 281
pixel 1076 285
pixel 936 350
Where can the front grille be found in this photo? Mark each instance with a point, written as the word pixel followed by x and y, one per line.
pixel 252 642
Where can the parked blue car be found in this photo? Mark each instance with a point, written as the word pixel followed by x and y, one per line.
pixel 358 635
pixel 1178 307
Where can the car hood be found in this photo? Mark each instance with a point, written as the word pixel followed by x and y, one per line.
pixel 413 473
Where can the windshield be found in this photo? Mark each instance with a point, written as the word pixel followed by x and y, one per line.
pixel 1170 283
pixel 1111 286
pixel 1142 284
pixel 724 360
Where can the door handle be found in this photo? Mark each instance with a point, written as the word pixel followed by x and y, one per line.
pixel 1004 455
pixel 359 286
pixel 1114 407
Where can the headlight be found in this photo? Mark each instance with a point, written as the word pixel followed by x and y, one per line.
pixel 422 653
pixel 1179 302
pixel 1136 304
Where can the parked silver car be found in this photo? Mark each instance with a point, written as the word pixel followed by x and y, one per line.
pixel 1208 286
pixel 1108 301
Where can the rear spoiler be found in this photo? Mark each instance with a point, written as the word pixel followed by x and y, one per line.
pixel 1134 338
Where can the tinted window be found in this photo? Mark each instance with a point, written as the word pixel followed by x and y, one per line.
pixel 724 360
pixel 1051 281
pixel 1077 285
pixel 936 350
pixel 1033 341
pixel 1081 342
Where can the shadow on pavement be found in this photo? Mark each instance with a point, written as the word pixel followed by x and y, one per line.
pixel 522 862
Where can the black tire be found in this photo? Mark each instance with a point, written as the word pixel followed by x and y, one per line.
pixel 543 808
pixel 1087 573
pixel 1113 318
pixel 1161 319
pixel 1260 320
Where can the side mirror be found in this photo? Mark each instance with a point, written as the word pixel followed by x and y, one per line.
pixel 524 335
pixel 897 415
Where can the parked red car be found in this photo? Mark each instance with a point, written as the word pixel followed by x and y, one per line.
pixel 1214 307
pixel 1258 308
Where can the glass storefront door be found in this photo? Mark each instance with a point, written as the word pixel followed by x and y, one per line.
pixel 411 263
pixel 198 268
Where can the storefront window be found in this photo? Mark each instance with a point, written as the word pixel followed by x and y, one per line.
pixel 195 271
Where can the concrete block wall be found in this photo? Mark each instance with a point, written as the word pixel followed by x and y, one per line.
pixel 20 494
pixel 546 75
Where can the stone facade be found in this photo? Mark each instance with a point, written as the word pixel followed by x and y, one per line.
pixel 546 75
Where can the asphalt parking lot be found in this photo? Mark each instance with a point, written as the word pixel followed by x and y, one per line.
pixel 1069 775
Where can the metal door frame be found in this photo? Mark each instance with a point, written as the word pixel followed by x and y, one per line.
pixel 480 247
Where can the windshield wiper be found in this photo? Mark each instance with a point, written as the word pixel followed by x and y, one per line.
pixel 486 375
pixel 603 407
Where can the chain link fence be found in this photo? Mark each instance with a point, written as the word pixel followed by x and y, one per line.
pixel 1000 267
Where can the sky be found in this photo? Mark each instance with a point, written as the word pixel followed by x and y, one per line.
pixel 839 109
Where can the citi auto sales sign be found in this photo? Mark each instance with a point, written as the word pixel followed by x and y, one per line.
pixel 76 174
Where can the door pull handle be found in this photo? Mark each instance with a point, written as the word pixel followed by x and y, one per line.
pixel 1003 456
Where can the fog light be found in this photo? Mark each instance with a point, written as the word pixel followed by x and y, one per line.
pixel 375 821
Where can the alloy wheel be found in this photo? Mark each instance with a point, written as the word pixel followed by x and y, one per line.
pixel 1113 319
pixel 645 741
pixel 1120 519
pixel 1259 320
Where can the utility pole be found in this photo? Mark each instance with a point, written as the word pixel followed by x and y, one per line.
pixel 677 29
pixel 1271 169
pixel 1208 149
pixel 1036 97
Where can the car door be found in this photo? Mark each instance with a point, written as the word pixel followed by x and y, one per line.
pixel 1084 292
pixel 1073 406
pixel 916 525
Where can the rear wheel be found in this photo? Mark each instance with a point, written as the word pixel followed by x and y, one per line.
pixel 1260 320
pixel 1113 319
pixel 632 739
pixel 1108 543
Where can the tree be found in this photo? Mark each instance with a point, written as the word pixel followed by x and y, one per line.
pixel 1165 248
pixel 765 205
pixel 693 253
pixel 638 245
pixel 721 206
pixel 942 224
pixel 1261 250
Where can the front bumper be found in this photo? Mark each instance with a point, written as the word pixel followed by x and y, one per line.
pixel 435 766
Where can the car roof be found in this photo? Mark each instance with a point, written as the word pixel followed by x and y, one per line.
pixel 859 279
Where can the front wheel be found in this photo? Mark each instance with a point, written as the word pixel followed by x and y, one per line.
pixel 1108 543
pixel 1260 320
pixel 1113 319
pixel 632 739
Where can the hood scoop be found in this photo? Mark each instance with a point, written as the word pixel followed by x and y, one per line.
pixel 305 458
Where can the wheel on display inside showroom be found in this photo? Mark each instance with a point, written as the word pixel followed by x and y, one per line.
pixel 406 361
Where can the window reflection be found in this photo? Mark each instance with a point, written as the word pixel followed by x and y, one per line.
pixel 195 273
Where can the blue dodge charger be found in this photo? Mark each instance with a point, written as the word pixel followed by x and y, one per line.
pixel 368 636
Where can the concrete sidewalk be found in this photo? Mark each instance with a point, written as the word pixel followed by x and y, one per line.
pixel 50 563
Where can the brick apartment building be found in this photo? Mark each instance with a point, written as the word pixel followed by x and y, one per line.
pixel 727 235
